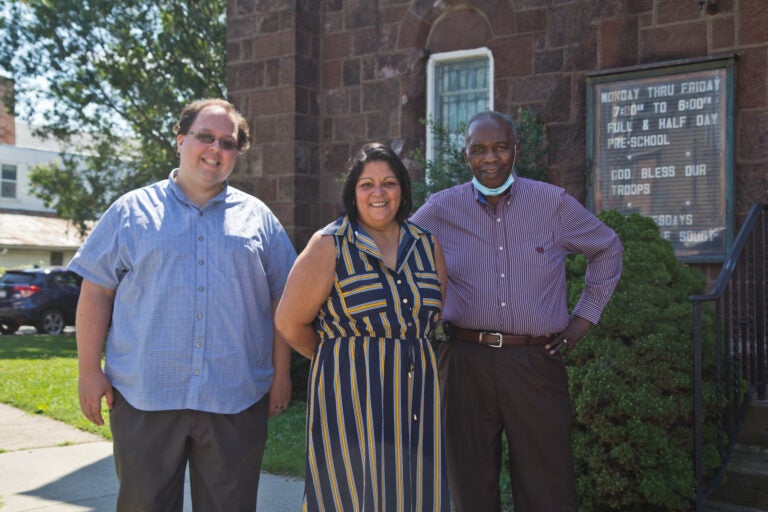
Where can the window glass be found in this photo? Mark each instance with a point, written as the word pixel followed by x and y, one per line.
pixel 462 91
pixel 57 258
pixel 8 181
pixel 460 84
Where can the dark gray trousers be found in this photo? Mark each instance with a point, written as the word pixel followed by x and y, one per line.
pixel 520 391
pixel 152 449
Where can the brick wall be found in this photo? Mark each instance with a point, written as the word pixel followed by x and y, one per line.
pixel 318 78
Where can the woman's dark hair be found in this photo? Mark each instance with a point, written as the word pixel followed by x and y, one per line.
pixel 376 152
pixel 189 114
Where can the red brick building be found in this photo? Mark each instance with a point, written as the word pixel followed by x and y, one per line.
pixel 317 78
pixel 7 126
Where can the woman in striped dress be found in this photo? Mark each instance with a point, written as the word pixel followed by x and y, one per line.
pixel 362 302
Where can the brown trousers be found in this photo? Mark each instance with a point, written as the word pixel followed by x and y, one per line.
pixel 523 392
pixel 152 449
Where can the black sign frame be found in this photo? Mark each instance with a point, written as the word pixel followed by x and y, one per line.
pixel 675 165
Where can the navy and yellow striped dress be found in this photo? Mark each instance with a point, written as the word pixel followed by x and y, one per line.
pixel 374 440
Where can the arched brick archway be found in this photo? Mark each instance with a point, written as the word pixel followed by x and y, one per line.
pixel 474 27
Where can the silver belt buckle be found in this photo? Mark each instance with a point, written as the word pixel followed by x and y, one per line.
pixel 497 345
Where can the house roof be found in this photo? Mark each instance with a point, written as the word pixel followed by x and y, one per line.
pixel 24 231
pixel 26 138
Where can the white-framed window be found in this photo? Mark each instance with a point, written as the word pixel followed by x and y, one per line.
pixel 459 85
pixel 57 259
pixel 8 181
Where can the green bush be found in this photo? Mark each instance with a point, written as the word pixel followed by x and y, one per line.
pixel 531 162
pixel 299 376
pixel 447 169
pixel 631 380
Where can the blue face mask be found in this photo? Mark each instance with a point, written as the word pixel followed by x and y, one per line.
pixel 498 190
pixel 493 191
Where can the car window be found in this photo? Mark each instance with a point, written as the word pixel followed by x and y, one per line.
pixel 67 280
pixel 17 278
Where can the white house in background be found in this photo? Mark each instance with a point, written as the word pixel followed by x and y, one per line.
pixel 30 233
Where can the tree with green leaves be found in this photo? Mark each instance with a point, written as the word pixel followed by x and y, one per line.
pixel 117 72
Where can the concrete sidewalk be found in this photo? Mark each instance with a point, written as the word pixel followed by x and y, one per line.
pixel 46 465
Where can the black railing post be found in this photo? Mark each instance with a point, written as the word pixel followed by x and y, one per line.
pixel 761 327
pixel 698 413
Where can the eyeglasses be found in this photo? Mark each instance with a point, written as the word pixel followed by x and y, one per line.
pixel 225 143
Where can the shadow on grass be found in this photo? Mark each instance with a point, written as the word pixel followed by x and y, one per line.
pixel 35 346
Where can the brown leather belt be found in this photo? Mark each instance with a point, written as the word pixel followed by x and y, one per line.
pixel 497 339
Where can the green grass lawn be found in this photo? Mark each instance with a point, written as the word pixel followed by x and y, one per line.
pixel 39 375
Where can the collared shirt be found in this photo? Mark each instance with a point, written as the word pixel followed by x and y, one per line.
pixel 192 319
pixel 506 268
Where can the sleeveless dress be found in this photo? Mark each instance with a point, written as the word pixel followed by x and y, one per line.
pixel 374 437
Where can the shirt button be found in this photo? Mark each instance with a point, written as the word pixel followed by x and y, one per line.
pixel 200 316
pixel 503 275
pixel 498 220
pixel 201 214
pixel 200 238
pixel 501 247
pixel 201 288
pixel 198 344
pixel 503 304
pixel 197 371
pixel 399 281
pixel 405 301
pixel 201 262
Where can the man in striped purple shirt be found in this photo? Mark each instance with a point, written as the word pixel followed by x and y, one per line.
pixel 505 241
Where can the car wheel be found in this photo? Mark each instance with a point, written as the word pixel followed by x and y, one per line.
pixel 9 328
pixel 52 322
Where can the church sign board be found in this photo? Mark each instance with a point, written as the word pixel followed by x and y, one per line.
pixel 660 142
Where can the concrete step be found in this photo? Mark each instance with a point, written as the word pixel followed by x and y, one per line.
pixel 727 507
pixel 745 482
pixel 754 431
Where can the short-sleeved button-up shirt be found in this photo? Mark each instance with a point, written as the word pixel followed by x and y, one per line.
pixel 192 320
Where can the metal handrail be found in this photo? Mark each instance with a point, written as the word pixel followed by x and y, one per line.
pixel 742 278
pixel 734 255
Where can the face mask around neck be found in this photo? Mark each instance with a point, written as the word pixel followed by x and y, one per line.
pixel 492 191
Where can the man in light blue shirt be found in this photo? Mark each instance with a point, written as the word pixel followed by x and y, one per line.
pixel 181 279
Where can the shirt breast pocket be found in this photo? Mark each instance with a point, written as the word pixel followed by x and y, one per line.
pixel 363 294
pixel 532 250
pixel 239 256
pixel 429 288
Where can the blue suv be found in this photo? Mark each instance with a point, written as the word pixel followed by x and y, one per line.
pixel 43 297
